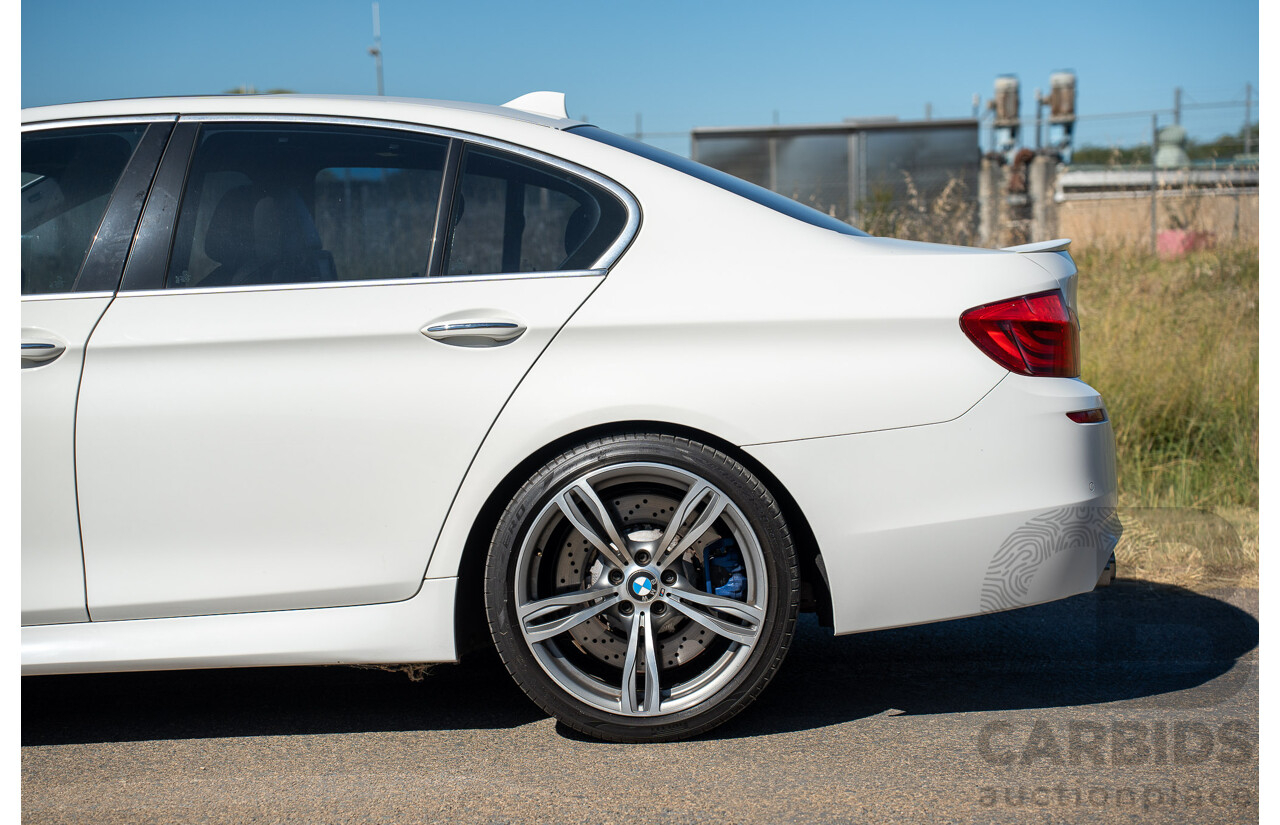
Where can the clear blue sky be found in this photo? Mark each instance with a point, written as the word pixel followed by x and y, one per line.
pixel 678 64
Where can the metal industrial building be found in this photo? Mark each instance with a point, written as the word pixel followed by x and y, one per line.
pixel 846 168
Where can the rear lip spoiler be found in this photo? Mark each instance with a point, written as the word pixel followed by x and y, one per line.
pixel 1059 245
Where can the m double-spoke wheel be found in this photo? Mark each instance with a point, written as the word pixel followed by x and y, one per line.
pixel 642 588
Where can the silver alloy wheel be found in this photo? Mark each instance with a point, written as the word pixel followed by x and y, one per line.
pixel 611 596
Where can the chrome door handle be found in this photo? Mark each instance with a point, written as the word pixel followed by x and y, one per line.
pixel 38 352
pixel 474 332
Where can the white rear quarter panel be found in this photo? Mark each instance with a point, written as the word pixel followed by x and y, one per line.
pixel 729 318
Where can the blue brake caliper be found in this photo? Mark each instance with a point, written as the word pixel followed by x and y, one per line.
pixel 722 565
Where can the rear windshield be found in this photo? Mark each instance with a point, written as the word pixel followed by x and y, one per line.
pixel 715 177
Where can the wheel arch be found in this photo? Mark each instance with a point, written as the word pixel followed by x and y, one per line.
pixel 470 626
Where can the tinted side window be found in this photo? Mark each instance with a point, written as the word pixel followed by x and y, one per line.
pixel 512 214
pixel 278 204
pixel 67 180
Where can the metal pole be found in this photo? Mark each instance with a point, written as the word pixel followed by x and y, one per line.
pixel 1177 106
pixel 1039 118
pixel 1154 133
pixel 851 179
pixel 1248 117
pixel 773 164
pixel 376 51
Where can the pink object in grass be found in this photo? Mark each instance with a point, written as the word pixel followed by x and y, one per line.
pixel 1174 243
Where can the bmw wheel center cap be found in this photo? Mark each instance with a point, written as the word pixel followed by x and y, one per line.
pixel 642 587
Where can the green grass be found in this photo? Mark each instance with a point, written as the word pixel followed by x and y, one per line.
pixel 1173 348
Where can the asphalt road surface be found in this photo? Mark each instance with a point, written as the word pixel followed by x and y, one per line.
pixel 1130 704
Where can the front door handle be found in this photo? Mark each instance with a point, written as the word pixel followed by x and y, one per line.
pixel 39 352
pixel 474 332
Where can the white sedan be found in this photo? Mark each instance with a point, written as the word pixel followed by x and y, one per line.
pixel 317 380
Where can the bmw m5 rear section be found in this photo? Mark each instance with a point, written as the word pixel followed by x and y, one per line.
pixel 314 380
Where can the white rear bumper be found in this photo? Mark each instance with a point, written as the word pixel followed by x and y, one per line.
pixel 1009 505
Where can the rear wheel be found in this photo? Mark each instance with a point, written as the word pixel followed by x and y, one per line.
pixel 642 587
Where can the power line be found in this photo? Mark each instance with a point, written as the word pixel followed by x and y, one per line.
pixel 1250 102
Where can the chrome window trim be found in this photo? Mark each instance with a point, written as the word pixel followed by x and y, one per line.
pixel 606 260
pixel 443 279
pixel 45 125
pixel 62 296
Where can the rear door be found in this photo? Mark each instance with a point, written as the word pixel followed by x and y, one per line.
pixel 280 404
pixel 82 190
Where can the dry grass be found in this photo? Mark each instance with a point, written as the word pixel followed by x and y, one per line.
pixel 1245 522
pixel 1173 348
pixel 949 216
pixel 1196 549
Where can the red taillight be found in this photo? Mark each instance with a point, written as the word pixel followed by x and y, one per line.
pixel 1032 335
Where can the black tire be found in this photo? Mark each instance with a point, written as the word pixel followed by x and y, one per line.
pixel 709 605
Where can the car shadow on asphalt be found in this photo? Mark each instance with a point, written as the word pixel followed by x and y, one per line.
pixel 1134 642
pixel 1127 642
pixel 274 701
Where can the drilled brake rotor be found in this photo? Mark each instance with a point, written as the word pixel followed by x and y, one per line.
pixel 643 517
